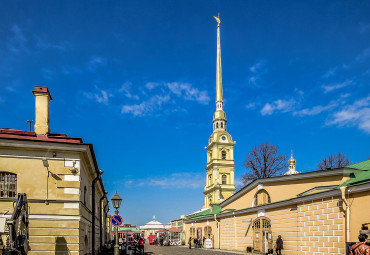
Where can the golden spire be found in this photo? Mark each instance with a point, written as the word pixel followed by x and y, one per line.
pixel 219 96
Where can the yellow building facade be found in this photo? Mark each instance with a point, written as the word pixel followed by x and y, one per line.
pixel 220 183
pixel 56 172
pixel 315 212
pixel 318 212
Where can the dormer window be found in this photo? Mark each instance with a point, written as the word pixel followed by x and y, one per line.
pixel 262 197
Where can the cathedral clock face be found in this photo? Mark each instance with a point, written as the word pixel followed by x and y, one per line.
pixel 223 138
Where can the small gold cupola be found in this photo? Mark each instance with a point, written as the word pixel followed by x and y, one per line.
pixel 42 110
pixel 292 163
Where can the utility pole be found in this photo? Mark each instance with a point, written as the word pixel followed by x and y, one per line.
pixel 30 121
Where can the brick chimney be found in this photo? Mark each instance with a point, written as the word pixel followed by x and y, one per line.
pixel 42 110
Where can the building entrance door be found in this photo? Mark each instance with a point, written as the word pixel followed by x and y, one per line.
pixel 262 237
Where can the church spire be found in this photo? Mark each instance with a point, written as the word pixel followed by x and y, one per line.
pixel 219 96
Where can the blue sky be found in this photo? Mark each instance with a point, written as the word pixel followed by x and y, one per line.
pixel 137 79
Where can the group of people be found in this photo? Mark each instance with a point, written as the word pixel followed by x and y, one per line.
pixel 198 242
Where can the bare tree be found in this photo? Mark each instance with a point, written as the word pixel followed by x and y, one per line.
pixel 333 161
pixel 264 161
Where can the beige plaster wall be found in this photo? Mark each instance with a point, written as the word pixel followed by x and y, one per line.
pixel 313 227
pixel 63 228
pixel 284 190
pixel 360 213
pixel 202 223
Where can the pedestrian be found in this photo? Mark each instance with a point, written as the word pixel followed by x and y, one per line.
pixel 189 242
pixel 360 248
pixel 279 245
pixel 195 243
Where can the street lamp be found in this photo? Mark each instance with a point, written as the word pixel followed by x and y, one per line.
pixel 116 202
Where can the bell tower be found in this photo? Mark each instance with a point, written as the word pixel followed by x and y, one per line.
pixel 220 183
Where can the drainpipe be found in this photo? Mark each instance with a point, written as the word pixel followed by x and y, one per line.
pixel 347 210
pixel 93 211
pixel 105 222
pixel 218 231
pixel 100 219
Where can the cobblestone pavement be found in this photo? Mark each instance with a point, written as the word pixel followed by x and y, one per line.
pixel 183 250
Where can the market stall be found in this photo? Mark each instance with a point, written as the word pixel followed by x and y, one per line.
pixel 174 236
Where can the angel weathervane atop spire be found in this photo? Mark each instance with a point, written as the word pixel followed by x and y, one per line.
pixel 218 19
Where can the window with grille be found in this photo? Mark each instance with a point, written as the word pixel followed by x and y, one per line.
pixel 257 224
pixel 8 184
pixel 207 231
pixel 266 223
pixel 192 232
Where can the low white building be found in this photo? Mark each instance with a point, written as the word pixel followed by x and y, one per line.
pixel 152 227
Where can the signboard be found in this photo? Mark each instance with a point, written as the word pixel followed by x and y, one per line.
pixel 116 220
pixel 208 244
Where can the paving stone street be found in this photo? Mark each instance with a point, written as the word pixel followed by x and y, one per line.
pixel 182 250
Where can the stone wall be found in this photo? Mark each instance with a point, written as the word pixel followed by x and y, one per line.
pixel 321 227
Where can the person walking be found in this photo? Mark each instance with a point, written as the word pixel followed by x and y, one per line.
pixel 279 245
pixel 189 242
pixel 195 243
pixel 360 248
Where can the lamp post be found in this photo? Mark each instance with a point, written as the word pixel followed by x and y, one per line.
pixel 116 202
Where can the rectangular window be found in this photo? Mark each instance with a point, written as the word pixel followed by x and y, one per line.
pixel 8 184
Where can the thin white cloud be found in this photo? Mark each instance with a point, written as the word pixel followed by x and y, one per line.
pixel 100 96
pixel 356 114
pixel 335 86
pixel 250 106
pixel 279 105
pixel 253 80
pixel 146 107
pixel 330 72
pixel 363 55
pixel 173 181
pixel 44 44
pixel 258 69
pixel 298 91
pixel 182 90
pixel 314 110
pixel 96 62
pixel 17 43
pixel 256 66
pixel 126 90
